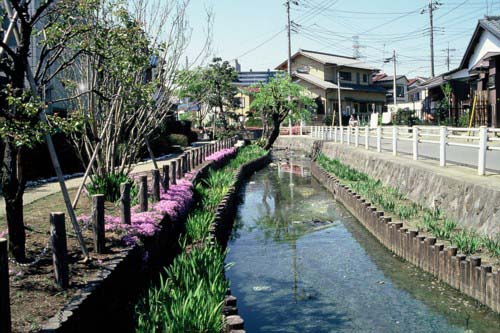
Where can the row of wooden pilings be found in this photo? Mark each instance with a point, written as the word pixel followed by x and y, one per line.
pixel 464 273
pixel 170 173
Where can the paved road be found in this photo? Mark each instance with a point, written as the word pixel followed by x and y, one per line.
pixel 454 155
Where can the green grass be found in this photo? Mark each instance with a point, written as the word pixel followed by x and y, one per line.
pixel 391 201
pixel 189 298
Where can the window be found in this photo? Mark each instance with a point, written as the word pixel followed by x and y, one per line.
pixel 345 76
pixel 365 78
pixel 491 82
pixel 400 91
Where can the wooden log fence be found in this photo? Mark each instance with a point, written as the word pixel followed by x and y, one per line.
pixel 165 181
pixel 5 320
pixel 155 175
pixel 143 193
pixel 173 172
pixel 59 247
pixel 98 223
pixel 125 203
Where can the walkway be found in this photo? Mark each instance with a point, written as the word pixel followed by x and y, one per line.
pixel 38 192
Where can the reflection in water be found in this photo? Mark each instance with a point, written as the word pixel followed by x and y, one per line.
pixel 302 263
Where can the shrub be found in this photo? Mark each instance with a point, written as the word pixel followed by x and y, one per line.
pixel 109 185
pixel 405 117
pixel 178 140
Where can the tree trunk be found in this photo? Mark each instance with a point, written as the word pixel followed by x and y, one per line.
pixel 13 189
pixel 275 132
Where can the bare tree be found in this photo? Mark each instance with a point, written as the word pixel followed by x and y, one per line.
pixel 126 81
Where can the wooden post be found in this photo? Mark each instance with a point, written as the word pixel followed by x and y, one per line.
pixel 173 171
pixel 184 164
pixel 98 223
pixel 200 155
pixel 166 177
pixel 59 249
pixel 5 321
pixel 143 193
pixel 193 159
pixel 179 168
pixel 188 161
pixel 125 202
pixel 156 184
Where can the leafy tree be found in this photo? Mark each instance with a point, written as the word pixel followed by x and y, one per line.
pixel 52 25
pixel 129 75
pixel 218 79
pixel 279 99
pixel 194 88
pixel 444 108
pixel 211 88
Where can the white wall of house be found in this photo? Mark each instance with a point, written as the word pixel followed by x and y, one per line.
pixel 487 43
pixel 417 106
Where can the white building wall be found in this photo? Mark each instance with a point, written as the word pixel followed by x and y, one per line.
pixel 487 43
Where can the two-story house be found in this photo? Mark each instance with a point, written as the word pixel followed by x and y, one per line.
pixel 387 82
pixel 317 72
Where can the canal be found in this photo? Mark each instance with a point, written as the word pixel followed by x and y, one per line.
pixel 302 263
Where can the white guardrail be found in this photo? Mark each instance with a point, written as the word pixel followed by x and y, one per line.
pixel 483 138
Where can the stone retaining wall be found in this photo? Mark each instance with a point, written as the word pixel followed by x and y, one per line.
pixel 459 271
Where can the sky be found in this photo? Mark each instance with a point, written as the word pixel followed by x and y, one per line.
pixel 253 31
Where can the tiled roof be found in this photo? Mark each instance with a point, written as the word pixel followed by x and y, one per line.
pixel 387 78
pixel 343 86
pixel 492 24
pixel 316 81
pixel 330 59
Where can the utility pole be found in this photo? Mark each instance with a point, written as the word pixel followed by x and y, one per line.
pixel 394 79
pixel 448 50
pixel 289 32
pixel 340 102
pixel 432 37
pixel 433 5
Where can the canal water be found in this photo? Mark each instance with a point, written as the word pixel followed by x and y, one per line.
pixel 302 263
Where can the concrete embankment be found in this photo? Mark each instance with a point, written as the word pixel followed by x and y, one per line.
pixel 471 200
pixel 467 274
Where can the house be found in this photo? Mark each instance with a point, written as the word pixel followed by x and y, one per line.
pixel 480 63
pixel 387 82
pixel 245 81
pixel 317 72
pixel 474 83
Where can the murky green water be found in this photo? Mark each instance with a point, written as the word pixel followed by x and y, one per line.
pixel 295 273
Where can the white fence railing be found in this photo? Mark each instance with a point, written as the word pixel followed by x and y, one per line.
pixel 482 139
